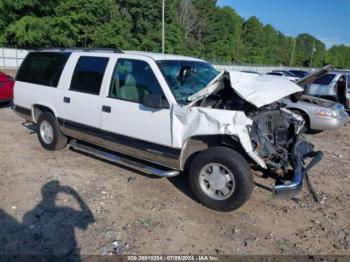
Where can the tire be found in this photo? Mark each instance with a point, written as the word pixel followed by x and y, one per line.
pixel 52 141
pixel 226 160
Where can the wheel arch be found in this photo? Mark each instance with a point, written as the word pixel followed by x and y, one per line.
pixel 38 109
pixel 197 144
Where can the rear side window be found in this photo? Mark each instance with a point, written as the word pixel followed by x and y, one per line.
pixel 348 82
pixel 42 68
pixel 325 79
pixel 88 74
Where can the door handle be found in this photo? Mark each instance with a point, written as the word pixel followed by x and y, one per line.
pixel 106 109
pixel 66 100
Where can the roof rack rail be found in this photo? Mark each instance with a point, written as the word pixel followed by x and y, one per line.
pixel 82 49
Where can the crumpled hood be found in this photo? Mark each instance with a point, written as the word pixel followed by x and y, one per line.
pixel 261 90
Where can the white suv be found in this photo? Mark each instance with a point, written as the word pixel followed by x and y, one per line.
pixel 167 114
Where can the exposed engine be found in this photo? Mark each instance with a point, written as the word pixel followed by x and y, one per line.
pixel 274 136
pixel 273 133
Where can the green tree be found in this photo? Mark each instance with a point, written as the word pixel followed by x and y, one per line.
pixel 338 56
pixel 146 17
pixel 252 42
pixel 193 27
pixel 65 23
pixel 308 46
pixel 221 43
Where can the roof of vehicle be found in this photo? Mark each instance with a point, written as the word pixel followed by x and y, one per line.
pixel 298 70
pixel 154 56
pixel 287 73
pixel 160 56
pixel 340 72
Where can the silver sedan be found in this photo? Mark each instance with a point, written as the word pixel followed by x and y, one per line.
pixel 319 114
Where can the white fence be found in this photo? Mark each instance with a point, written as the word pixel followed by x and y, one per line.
pixel 259 69
pixel 11 58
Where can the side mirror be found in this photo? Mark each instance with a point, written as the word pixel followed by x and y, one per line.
pixel 155 101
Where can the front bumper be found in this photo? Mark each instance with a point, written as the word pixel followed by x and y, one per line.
pixel 323 123
pixel 301 151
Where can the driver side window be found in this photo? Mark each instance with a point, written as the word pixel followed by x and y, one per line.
pixel 132 80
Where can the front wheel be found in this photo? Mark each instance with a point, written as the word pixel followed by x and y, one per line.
pixel 49 134
pixel 221 179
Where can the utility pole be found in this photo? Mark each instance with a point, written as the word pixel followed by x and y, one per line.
pixel 293 51
pixel 236 48
pixel 163 27
pixel 312 53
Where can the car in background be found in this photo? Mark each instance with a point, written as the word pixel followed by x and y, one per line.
pixel 299 73
pixel 251 72
pixel 6 88
pixel 334 86
pixel 318 114
pixel 283 73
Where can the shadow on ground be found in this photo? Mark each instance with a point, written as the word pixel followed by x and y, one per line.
pixel 47 230
pixel 6 104
pixel 181 182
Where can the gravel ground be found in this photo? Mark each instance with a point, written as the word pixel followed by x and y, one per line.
pixel 69 203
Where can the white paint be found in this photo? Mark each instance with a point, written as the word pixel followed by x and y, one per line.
pixel 171 127
pixel 261 90
pixel 196 121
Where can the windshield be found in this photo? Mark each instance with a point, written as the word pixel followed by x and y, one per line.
pixel 186 78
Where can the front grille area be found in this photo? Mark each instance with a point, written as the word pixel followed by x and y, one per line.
pixel 275 126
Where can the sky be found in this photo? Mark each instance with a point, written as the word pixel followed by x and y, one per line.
pixel 327 20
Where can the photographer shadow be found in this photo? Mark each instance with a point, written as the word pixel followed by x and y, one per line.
pixel 47 230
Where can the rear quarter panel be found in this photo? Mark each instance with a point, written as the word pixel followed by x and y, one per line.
pixel 28 95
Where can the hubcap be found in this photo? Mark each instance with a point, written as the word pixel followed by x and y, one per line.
pixel 46 132
pixel 217 181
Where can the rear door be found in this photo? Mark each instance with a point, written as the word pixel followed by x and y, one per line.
pixel 81 101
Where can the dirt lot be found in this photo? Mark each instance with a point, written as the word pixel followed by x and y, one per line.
pixel 100 207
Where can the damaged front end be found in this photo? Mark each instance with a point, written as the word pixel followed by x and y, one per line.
pixel 275 135
pixel 269 133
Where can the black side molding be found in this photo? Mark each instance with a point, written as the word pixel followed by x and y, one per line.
pixel 23 112
pixel 169 152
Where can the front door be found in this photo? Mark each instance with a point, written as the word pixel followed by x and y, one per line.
pixel 127 125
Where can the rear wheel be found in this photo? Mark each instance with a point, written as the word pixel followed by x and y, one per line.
pixel 221 179
pixel 49 134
